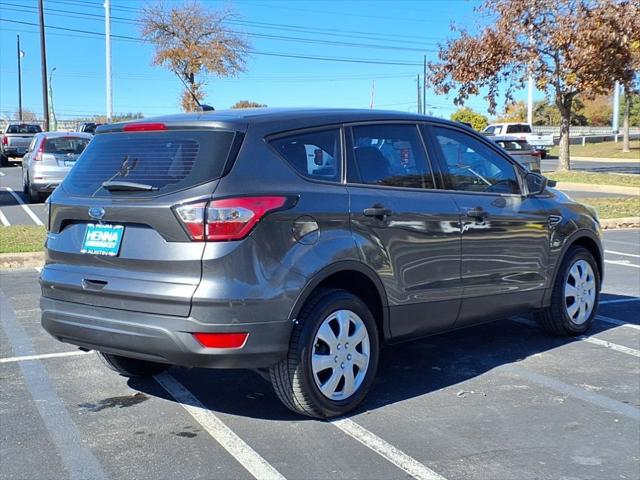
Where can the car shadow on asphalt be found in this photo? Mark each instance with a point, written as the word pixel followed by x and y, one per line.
pixel 408 370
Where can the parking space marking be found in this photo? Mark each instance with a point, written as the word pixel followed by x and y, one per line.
pixel 619 300
pixel 615 321
pixel 613 252
pixel 4 220
pixel 76 456
pixel 623 263
pixel 576 392
pixel 589 339
pixel 621 242
pixel 42 356
pixel 24 206
pixel 232 443
pixel 392 454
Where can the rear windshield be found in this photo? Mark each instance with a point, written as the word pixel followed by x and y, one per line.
pixel 519 128
pixel 24 128
pixel 514 144
pixel 64 145
pixel 170 160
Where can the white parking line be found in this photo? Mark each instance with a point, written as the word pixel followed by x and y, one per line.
pixel 615 321
pixel 619 300
pixel 397 457
pixel 1 174
pixel 43 356
pixel 595 341
pixel 4 220
pixel 232 443
pixel 613 252
pixel 624 263
pixel 24 206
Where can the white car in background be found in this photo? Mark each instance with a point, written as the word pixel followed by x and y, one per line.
pixel 521 131
pixel 49 158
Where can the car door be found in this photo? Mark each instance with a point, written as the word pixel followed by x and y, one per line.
pixel 405 229
pixel 505 235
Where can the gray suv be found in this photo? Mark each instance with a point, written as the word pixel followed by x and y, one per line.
pixel 298 242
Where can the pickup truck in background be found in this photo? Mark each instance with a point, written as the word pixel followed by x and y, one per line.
pixel 521 131
pixel 15 140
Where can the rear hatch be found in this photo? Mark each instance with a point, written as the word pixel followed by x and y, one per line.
pixel 115 239
pixel 63 151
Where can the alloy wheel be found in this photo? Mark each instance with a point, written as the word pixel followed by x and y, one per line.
pixel 580 292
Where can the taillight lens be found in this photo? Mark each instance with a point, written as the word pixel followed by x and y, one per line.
pixel 5 140
pixel 221 340
pixel 143 127
pixel 38 156
pixel 227 219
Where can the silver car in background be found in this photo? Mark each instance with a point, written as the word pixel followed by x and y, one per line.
pixel 522 151
pixel 48 160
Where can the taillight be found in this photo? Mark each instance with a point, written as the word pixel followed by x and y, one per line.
pixel 5 140
pixel 227 219
pixel 221 340
pixel 143 127
pixel 38 156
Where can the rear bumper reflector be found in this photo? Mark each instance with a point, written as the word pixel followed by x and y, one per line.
pixel 221 340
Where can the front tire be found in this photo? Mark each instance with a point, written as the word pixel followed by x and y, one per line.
pixel 332 359
pixel 132 367
pixel 575 296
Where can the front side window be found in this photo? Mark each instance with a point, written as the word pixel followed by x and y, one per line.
pixel 313 154
pixel 473 166
pixel 390 155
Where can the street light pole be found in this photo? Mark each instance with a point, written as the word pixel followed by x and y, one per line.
pixel 19 80
pixel 616 108
pixel 43 64
pixel 107 37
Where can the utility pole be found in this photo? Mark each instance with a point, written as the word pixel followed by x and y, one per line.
pixel 419 99
pixel 424 85
pixel 373 94
pixel 20 54
pixel 53 123
pixel 107 38
pixel 616 108
pixel 530 102
pixel 43 64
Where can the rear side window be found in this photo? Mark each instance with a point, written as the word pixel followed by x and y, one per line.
pixel 169 160
pixel 390 155
pixel 65 145
pixel 314 154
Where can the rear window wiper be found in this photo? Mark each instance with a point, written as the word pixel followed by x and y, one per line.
pixel 116 186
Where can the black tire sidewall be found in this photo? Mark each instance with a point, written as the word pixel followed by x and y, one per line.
pixel 338 300
pixel 577 254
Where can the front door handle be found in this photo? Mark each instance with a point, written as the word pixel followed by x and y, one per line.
pixel 477 213
pixel 377 211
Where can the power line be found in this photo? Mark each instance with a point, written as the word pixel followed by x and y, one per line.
pixel 255 52
pixel 82 15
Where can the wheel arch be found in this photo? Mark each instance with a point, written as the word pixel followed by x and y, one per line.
pixel 356 278
pixel 581 238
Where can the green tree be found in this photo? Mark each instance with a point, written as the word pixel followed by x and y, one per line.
pixel 247 104
pixel 634 110
pixel 467 115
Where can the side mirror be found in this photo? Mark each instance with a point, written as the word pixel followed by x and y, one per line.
pixel 536 183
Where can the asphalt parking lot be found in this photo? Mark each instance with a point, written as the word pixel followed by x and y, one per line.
pixel 499 401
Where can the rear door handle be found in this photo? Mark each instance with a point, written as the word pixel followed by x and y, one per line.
pixel 377 211
pixel 477 213
pixel 89 284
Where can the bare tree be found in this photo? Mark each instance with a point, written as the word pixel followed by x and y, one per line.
pixel 568 46
pixel 192 41
pixel 247 104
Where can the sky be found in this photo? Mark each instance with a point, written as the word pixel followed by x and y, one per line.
pixel 380 41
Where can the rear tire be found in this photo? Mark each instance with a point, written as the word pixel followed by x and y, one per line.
pixel 332 359
pixel 132 367
pixel 575 296
pixel 4 161
pixel 32 194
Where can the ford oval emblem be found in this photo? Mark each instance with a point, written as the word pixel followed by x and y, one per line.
pixel 96 212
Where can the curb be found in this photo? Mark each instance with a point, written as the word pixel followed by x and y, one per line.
pixel 624 222
pixel 14 261
pixel 605 159
pixel 590 187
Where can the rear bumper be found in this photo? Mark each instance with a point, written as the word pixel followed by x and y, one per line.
pixel 14 152
pixel 162 338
